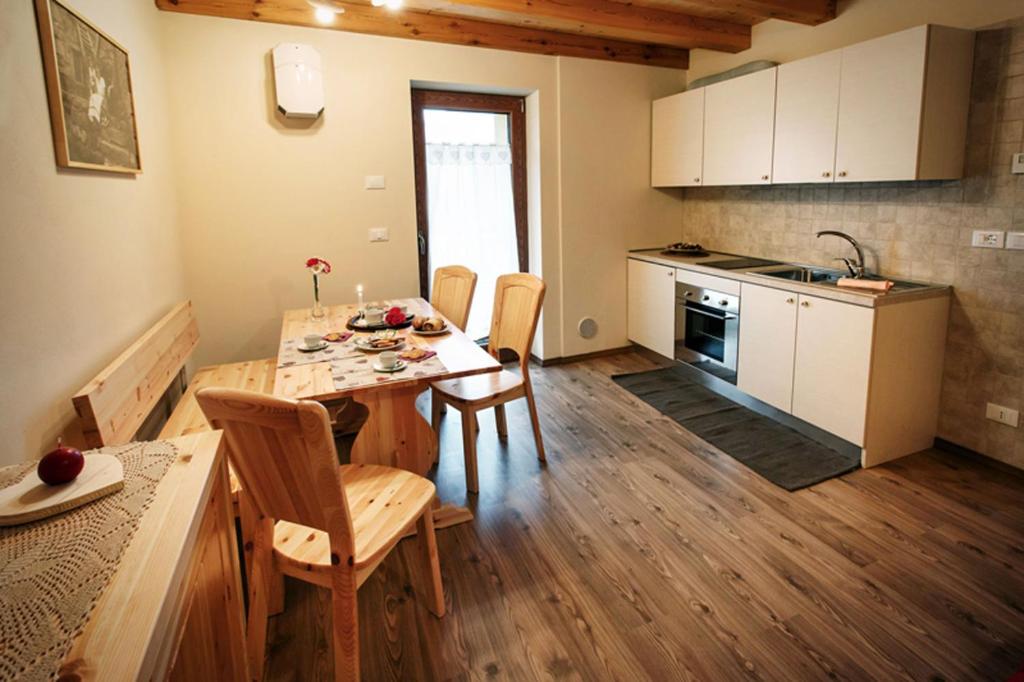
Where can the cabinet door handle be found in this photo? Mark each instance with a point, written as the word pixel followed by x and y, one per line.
pixel 696 179
pixel 826 174
pixel 805 304
pixel 791 300
pixel 764 177
pixel 842 174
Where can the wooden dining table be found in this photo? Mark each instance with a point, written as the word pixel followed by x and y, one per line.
pixel 395 433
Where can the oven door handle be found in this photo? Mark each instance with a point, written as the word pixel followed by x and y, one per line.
pixel 723 316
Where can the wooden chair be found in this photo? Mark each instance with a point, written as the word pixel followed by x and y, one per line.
pixel 517 303
pixel 322 523
pixel 452 293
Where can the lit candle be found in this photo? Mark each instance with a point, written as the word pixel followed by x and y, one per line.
pixel 359 294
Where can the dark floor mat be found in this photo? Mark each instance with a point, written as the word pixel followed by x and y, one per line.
pixel 778 453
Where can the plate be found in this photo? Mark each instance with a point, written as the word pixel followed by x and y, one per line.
pixel 364 346
pixel 402 364
pixel 437 332
pixel 307 349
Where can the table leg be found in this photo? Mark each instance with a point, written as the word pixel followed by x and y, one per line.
pixel 394 433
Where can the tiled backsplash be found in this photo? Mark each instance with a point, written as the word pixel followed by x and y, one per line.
pixel 920 230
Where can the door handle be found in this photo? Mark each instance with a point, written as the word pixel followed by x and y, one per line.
pixel 422 242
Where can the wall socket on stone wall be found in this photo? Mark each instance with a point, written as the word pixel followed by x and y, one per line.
pixel 1018 164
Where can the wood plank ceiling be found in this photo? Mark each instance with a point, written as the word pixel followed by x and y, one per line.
pixel 653 32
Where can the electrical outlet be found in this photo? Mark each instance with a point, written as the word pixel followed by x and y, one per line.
pixel 1003 415
pixel 378 234
pixel 987 239
pixel 1018 164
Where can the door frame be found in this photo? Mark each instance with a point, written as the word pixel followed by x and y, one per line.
pixel 515 108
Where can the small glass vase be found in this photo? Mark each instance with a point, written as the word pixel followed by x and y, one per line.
pixel 317 312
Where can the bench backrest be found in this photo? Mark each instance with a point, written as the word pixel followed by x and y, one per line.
pixel 118 400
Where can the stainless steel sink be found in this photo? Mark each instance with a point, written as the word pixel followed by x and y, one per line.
pixel 828 277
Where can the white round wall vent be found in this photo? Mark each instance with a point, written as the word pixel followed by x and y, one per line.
pixel 587 327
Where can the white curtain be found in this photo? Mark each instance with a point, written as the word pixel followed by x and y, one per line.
pixel 472 219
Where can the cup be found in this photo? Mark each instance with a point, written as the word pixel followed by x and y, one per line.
pixel 389 359
pixel 312 340
pixel 373 316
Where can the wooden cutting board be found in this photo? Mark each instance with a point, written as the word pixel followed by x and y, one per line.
pixel 31 499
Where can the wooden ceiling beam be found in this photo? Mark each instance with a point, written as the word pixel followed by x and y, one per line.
pixel 359 18
pixel 811 12
pixel 661 25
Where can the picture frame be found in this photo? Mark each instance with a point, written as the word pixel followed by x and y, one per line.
pixel 89 90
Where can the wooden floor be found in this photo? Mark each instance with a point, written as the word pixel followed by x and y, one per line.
pixel 640 552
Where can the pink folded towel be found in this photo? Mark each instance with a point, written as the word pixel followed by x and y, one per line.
pixel 882 285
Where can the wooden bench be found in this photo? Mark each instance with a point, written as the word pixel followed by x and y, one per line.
pixel 117 402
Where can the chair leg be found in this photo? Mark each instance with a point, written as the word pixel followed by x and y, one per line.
pixel 430 569
pixel 536 423
pixel 259 596
pixel 469 449
pixel 436 410
pixel 499 420
pixel 476 423
pixel 345 621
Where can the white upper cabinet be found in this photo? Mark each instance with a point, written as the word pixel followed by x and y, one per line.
pixel 677 139
pixel 892 108
pixel 903 102
pixel 806 114
pixel 739 125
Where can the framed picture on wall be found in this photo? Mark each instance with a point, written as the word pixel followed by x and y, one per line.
pixel 89 87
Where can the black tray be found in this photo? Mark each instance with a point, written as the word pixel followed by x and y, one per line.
pixel 378 327
pixel 682 252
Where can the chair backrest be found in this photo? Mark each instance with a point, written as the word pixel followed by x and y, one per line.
pixel 113 406
pixel 517 302
pixel 284 456
pixel 452 293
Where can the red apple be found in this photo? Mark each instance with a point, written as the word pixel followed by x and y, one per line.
pixel 61 465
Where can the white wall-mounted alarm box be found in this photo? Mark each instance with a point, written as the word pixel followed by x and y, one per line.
pixel 298 81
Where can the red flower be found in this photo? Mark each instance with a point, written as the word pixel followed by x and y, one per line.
pixel 319 266
pixel 395 316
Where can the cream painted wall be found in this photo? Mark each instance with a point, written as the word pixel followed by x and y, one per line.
pixel 260 194
pixel 608 206
pixel 89 260
pixel 857 20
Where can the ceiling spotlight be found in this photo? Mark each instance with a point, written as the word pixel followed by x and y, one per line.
pixel 393 4
pixel 325 11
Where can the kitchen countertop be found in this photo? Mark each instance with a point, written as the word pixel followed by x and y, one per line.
pixel 868 299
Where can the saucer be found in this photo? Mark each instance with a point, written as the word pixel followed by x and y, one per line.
pixel 307 349
pixel 399 366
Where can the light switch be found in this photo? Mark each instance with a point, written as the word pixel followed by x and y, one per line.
pixel 374 182
pixel 988 239
pixel 378 234
pixel 1015 240
pixel 1018 163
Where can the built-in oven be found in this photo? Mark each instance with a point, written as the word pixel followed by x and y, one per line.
pixel 707 325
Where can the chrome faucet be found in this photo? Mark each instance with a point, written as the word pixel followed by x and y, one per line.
pixel 856 270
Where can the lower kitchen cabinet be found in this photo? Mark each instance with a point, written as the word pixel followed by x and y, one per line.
pixel 767 345
pixel 651 306
pixel 833 363
pixel 871 376
pixel 807 356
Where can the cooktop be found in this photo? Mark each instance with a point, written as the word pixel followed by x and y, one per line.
pixel 740 263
